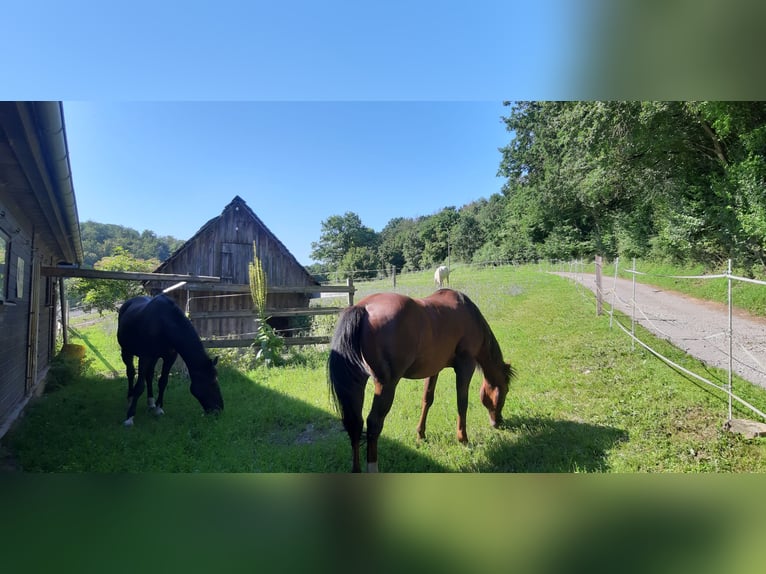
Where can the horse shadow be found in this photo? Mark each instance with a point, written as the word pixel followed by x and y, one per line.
pixel 551 445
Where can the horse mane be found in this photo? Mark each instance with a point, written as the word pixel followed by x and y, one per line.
pixel 184 336
pixel 494 353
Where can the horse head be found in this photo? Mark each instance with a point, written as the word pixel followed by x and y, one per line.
pixel 493 393
pixel 204 386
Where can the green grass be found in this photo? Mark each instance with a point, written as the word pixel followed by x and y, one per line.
pixel 583 401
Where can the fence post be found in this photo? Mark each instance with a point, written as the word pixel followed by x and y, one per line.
pixel 350 283
pixel 393 274
pixel 731 333
pixel 633 312
pixel 614 291
pixel 64 311
pixel 599 292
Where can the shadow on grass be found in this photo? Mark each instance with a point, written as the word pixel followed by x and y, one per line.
pixel 261 430
pixel 94 350
pixel 549 445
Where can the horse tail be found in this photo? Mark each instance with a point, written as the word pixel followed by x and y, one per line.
pixel 346 368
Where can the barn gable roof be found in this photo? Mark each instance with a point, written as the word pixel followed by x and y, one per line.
pixel 237 202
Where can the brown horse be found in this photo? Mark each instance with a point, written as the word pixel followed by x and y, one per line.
pixel 390 337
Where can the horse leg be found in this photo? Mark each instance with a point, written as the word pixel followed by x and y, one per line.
pixel 428 400
pixel 464 368
pixel 381 404
pixel 136 392
pixel 167 363
pixel 130 370
pixel 351 402
pixel 148 372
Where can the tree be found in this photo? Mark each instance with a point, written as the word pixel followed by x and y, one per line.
pixel 392 242
pixel 99 240
pixel 679 180
pixel 105 294
pixel 435 232
pixel 467 237
pixel 360 262
pixel 339 234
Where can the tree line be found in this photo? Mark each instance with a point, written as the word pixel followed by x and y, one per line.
pixel 110 247
pixel 671 181
pixel 101 240
pixel 668 181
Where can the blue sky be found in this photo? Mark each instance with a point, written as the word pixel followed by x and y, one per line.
pixel 170 167
pixel 310 108
pixel 305 109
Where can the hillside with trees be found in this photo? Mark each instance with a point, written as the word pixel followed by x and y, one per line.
pixel 101 240
pixel 671 181
pixel 110 247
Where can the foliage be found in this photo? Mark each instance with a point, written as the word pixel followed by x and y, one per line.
pixel 339 234
pixel 100 240
pixel 268 344
pixel 680 181
pixel 360 262
pixel 105 294
pixel 258 282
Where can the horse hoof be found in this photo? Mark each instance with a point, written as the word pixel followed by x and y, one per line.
pixel 158 411
pixel 372 467
pixel 128 422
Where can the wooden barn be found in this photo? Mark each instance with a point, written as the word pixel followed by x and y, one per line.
pixel 223 247
pixel 39 227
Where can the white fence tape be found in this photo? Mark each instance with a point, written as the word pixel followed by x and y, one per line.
pixel 578 270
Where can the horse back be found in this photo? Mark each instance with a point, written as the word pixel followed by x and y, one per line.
pixel 140 324
pixel 415 338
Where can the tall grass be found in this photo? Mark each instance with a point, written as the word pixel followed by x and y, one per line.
pixel 583 401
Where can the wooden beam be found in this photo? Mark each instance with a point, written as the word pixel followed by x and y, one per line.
pixel 124 275
pixel 290 312
pixel 288 342
pixel 245 289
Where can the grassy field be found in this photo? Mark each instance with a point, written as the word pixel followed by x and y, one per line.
pixel 583 401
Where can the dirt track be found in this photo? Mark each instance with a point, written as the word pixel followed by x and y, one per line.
pixel 696 326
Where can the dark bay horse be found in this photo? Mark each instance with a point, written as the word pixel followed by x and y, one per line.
pixel 389 337
pixel 154 328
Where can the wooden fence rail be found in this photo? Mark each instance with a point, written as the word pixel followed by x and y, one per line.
pixel 289 312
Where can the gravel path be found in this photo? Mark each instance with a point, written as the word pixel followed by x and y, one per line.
pixel 696 326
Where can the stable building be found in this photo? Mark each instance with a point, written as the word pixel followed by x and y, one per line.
pixel 39 227
pixel 223 247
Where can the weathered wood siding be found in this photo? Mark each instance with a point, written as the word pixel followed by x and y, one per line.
pixel 16 374
pixel 224 248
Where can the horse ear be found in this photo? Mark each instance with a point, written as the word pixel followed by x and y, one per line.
pixel 215 361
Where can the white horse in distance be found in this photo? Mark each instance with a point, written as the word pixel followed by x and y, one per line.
pixel 441 276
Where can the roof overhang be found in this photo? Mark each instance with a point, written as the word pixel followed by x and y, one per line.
pixel 36 177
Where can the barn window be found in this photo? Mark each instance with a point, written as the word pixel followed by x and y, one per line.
pixel 4 257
